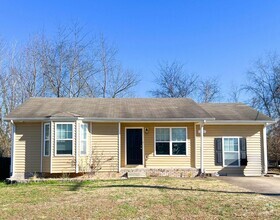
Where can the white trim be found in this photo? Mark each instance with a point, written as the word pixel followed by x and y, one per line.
pixel 90 140
pixel 55 140
pixel 265 150
pixel 165 120
pixel 147 119
pixel 238 141
pixel 43 119
pixel 13 165
pixel 119 147
pixel 194 125
pixel 44 138
pixel 170 143
pixel 77 128
pixel 238 122
pixel 202 147
pixel 150 120
pixel 82 139
pixel 126 128
pixel 52 140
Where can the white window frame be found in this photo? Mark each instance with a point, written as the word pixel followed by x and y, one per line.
pixel 238 141
pixel 170 143
pixel 49 139
pixel 82 139
pixel 55 141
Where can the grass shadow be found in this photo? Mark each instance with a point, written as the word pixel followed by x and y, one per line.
pixel 76 186
pixel 80 185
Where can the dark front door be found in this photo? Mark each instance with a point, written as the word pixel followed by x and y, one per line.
pixel 134 153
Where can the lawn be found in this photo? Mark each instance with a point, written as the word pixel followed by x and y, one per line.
pixel 155 198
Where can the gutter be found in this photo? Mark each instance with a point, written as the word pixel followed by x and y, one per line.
pixel 45 119
pixel 209 121
pixel 111 119
pixel 240 122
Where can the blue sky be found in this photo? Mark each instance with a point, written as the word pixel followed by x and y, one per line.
pixel 212 38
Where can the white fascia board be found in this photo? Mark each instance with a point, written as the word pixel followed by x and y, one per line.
pixel 147 119
pixel 208 121
pixel 239 122
pixel 43 119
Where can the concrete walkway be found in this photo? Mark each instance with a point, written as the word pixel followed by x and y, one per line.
pixel 269 186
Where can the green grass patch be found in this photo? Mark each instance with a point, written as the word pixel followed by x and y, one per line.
pixel 150 198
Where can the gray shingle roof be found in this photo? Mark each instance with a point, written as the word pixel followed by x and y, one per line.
pixel 233 111
pixel 123 108
pixel 138 109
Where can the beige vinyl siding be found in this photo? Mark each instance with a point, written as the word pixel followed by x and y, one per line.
pixel 152 161
pixel 252 133
pixel 61 163
pixel 105 145
pixel 27 147
pixel 46 164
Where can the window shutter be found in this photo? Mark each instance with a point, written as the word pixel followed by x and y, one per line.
pixel 243 151
pixel 218 152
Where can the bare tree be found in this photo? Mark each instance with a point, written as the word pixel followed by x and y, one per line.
pixel 11 94
pixel 68 62
pixel 113 80
pixel 234 93
pixel 30 68
pixel 264 85
pixel 73 63
pixel 209 90
pixel 264 88
pixel 4 137
pixel 273 141
pixel 173 81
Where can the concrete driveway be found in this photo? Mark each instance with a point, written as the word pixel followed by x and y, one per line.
pixel 269 186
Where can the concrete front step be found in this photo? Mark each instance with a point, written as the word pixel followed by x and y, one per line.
pixel 139 174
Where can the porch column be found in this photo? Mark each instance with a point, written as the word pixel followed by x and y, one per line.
pixel 77 124
pixel 12 172
pixel 119 147
pixel 52 143
pixel 201 146
pixel 265 149
pixel 42 146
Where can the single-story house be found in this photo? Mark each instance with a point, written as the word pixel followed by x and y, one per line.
pixel 156 135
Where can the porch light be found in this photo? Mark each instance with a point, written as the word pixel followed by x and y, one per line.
pixel 146 130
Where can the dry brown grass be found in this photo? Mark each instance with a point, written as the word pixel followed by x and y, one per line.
pixel 155 198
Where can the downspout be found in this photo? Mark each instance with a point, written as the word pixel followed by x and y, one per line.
pixel 12 171
pixel 195 154
pixel 201 146
pixel 119 145
pixel 265 148
pixel 77 145
pixel 52 129
pixel 42 146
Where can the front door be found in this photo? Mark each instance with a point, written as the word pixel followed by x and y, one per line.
pixel 134 152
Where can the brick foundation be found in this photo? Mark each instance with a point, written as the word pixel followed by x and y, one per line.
pixel 164 172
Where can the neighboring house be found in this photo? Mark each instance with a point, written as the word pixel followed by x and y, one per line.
pixel 59 135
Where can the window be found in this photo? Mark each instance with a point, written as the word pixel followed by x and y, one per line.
pixel 47 139
pixel 162 141
pixel 83 139
pixel 64 138
pixel 171 141
pixel 231 152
